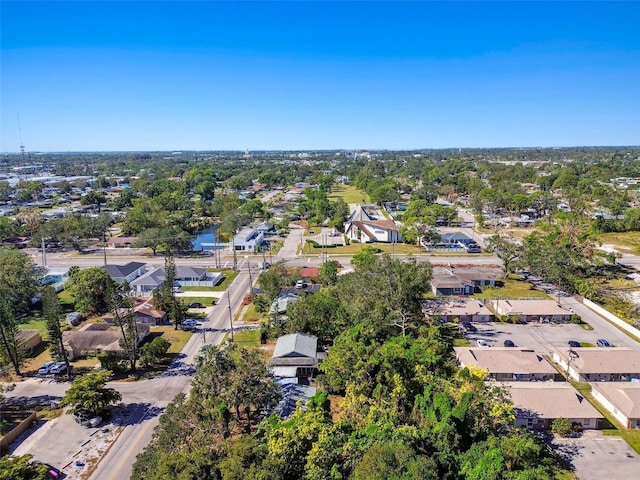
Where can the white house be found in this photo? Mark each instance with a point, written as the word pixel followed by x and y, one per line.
pixel 621 399
pixel 365 227
pixel 295 355
pixel 600 364
pixel 125 273
pixel 248 240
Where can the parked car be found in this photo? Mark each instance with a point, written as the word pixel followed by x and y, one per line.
pixel 74 318
pixel 188 325
pixel 45 368
pixel 574 344
pixel 195 305
pixel 58 368
pixel 469 327
pixel 301 284
pixel 482 343
pixel 87 419
pixel 603 343
pixel 509 343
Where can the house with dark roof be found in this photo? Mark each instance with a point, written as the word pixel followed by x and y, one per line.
pixel 125 273
pixel 463 281
pixel 295 355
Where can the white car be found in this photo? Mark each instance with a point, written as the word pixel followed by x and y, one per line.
pixel 57 368
pixel 482 343
pixel 46 368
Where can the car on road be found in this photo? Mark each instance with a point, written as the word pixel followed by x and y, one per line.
pixel 189 325
pixel 509 343
pixel 482 343
pixel 45 368
pixel 87 419
pixel 195 305
pixel 603 343
pixel 264 265
pixel 574 344
pixel 469 327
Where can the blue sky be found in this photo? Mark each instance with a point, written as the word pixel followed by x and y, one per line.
pixel 265 75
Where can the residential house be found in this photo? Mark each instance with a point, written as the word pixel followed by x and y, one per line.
pixel 295 355
pixel 463 281
pixel 537 404
pixel 248 240
pixel 280 304
pixel 458 309
pixel 532 310
pixel 144 312
pixel 98 338
pixel 507 364
pixel 149 282
pixel 620 399
pixel 126 273
pixel 363 226
pixel 600 364
pixel 265 227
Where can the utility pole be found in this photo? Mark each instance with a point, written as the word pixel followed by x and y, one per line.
pixel 230 315
pixel 44 254
pixel 104 247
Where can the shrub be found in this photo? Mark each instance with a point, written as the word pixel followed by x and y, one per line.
pixel 562 426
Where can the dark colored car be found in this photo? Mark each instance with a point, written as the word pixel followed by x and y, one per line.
pixel 469 327
pixel 509 343
pixel 195 305
pixel 603 343
pixel 574 344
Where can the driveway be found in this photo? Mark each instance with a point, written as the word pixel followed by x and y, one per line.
pixel 594 456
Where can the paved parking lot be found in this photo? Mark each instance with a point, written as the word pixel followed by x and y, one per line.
pixel 61 442
pixel 543 338
pixel 596 457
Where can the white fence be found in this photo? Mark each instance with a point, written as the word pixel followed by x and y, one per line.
pixel 611 317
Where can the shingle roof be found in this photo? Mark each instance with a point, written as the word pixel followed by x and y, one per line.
pixel 549 400
pixel 117 271
pixel 504 360
pixel 605 360
pixel 625 396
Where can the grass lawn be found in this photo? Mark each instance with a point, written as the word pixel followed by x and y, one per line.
pixel 35 323
pixel 247 338
pixel 401 248
pixel 206 301
pixel 629 241
pixel 229 276
pixel 66 301
pixel 348 193
pixel 512 289
pixel 461 342
pixel 251 316
pixel 178 338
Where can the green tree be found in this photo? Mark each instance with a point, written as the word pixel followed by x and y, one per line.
pixel 394 460
pixel 21 468
pixel 90 393
pixel 90 287
pixel 506 250
pixel 562 427
pixel 329 273
pixel 10 348
pixel 154 351
pixel 52 314
pixel 19 279
pixel 121 306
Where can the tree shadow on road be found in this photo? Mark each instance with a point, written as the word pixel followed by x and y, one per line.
pixel 134 413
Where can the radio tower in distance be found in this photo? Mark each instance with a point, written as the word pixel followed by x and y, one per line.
pixel 21 142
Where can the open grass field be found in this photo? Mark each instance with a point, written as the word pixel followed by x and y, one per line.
pixel 401 248
pixel 625 241
pixel 349 194
pixel 178 338
pixel 247 338
pixel 512 289
pixel 35 323
pixel 206 301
